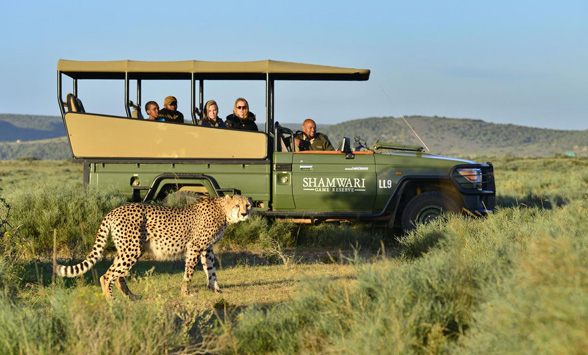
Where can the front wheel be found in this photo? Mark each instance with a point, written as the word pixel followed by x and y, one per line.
pixel 426 207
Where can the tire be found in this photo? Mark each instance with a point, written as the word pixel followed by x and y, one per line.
pixel 426 207
pixel 181 198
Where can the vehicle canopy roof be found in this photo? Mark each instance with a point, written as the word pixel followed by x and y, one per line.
pixel 177 70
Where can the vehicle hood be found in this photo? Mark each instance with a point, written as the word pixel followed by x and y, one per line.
pixel 428 156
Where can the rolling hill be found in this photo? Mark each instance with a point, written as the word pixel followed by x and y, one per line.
pixel 43 137
pixel 46 149
pixel 29 127
pixel 464 137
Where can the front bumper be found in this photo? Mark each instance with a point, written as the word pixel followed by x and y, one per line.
pixel 478 199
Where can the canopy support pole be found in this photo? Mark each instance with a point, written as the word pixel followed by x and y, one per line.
pixel 192 99
pixel 127 110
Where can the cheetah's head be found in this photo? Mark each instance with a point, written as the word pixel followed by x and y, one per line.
pixel 238 208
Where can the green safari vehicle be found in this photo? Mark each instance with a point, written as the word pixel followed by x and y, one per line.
pixel 147 160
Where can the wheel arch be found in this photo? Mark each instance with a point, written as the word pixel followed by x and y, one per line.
pixel 164 183
pixel 411 186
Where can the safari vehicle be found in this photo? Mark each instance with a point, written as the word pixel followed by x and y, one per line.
pixel 401 185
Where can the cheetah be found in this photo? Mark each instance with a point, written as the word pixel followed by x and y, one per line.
pixel 168 232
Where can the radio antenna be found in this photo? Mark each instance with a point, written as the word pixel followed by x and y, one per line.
pixel 408 124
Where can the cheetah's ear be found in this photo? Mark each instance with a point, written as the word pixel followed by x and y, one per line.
pixel 228 197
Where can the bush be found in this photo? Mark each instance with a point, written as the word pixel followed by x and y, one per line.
pixel 74 212
pixel 11 276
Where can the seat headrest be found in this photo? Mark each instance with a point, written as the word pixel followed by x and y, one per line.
pixel 80 106
pixel 74 104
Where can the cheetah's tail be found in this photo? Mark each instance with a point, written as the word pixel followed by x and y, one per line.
pixel 91 259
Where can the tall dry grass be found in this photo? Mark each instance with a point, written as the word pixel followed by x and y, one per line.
pixel 81 322
pixel 498 285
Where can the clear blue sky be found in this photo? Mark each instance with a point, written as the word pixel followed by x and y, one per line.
pixel 519 62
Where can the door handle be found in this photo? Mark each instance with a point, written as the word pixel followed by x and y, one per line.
pixel 306 167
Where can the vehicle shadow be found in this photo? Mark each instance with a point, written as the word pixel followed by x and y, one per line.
pixel 531 200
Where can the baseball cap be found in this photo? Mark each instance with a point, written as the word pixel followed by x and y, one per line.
pixel 169 100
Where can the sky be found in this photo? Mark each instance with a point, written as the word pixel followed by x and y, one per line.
pixel 508 62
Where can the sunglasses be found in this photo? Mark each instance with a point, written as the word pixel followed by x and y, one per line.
pixel 241 107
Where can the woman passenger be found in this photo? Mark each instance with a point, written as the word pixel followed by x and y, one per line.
pixel 242 118
pixel 211 118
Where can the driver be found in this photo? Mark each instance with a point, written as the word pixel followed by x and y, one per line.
pixel 310 139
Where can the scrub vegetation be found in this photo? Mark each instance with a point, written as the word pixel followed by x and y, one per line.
pixel 514 282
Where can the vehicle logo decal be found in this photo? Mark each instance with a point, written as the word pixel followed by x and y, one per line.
pixel 333 184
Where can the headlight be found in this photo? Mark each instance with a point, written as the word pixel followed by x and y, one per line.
pixel 472 175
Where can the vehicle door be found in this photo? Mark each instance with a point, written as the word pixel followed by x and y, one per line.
pixel 333 181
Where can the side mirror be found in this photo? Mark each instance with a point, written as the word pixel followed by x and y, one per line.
pixel 346 148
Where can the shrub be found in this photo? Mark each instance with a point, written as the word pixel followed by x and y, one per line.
pixel 74 212
pixel 11 276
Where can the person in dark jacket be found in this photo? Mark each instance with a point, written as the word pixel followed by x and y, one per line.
pixel 211 118
pixel 241 118
pixel 170 112
pixel 310 139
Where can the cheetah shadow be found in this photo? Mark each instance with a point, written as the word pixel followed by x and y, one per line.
pixel 41 272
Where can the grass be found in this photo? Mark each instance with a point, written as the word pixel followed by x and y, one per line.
pixel 545 183
pixel 498 285
pixel 24 174
pixel 514 282
pixel 73 317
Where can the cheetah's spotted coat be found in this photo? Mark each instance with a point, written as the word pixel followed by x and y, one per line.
pixel 168 232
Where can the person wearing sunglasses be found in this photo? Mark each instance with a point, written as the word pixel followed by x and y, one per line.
pixel 170 112
pixel 310 139
pixel 241 118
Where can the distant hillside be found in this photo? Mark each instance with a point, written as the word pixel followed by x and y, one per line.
pixel 463 137
pixel 46 149
pixel 446 136
pixel 29 127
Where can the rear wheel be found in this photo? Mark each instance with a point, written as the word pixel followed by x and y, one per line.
pixel 426 207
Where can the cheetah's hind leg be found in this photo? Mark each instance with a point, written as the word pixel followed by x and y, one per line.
pixel 207 260
pixel 115 272
pixel 121 284
pixel 106 286
pixel 191 261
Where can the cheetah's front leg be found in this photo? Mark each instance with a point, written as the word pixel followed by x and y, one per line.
pixel 207 260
